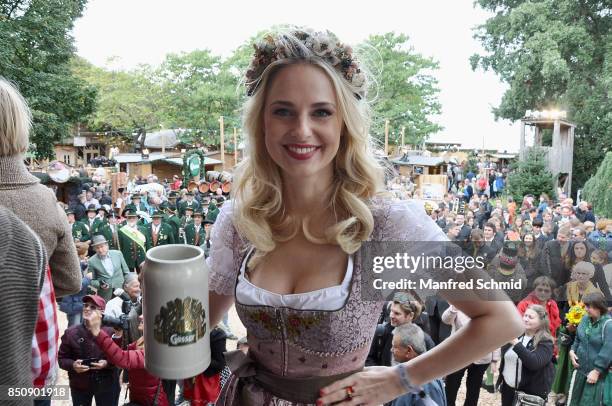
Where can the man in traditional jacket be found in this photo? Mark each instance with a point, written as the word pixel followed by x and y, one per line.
pixel 79 231
pixel 136 204
pixel 174 221
pixel 132 241
pixel 159 233
pixel 195 233
pixel 92 221
pixel 108 268
pixel 110 231
pixel 189 202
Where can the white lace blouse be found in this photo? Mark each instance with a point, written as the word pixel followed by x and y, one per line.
pixel 330 299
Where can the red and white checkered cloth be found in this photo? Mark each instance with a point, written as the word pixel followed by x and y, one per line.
pixel 46 336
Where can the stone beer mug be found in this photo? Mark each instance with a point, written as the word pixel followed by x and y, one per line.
pixel 175 311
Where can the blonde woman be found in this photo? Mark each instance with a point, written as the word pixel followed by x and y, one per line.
pixel 32 202
pixel 283 250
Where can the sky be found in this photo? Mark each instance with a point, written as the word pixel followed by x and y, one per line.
pixel 143 31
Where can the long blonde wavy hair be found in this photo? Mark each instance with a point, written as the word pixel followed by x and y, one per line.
pixel 259 211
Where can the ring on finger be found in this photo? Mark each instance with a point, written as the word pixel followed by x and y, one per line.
pixel 349 392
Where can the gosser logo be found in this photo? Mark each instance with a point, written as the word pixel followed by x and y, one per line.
pixel 180 322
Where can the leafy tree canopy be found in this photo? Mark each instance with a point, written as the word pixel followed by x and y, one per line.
pixel 35 47
pixel 406 93
pixel 598 189
pixel 554 54
pixel 531 176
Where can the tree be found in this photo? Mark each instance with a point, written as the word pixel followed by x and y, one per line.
pixel 35 47
pixel 129 103
pixel 554 54
pixel 531 176
pixel 406 93
pixel 598 189
pixel 198 88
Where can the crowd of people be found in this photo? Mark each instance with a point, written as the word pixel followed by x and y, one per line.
pixel 285 252
pixel 562 255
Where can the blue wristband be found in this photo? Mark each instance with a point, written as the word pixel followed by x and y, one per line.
pixel 405 380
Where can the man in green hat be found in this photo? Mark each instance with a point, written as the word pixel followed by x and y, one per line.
pixel 79 231
pixel 136 204
pixel 187 218
pixel 195 234
pixel 159 233
pixel 188 202
pixel 213 211
pixel 172 200
pixel 174 221
pixel 92 221
pixel 110 231
pixel 132 241
pixel 108 268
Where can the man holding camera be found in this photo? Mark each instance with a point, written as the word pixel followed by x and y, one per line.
pixel 89 373
pixel 108 268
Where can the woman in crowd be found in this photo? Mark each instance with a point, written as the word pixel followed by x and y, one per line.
pixel 543 287
pixel 573 292
pixel 591 355
pixel 145 389
pixel 306 196
pixel 22 193
pixel 529 257
pixel 527 361
pixel 475 371
pixel 599 258
pixel 578 251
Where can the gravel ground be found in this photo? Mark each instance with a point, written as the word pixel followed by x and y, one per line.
pixel 486 398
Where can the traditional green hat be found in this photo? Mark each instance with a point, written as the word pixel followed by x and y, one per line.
pixel 130 213
pixel 198 213
pixel 92 207
pixel 157 214
pixel 69 211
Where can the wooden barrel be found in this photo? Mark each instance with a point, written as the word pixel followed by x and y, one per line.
pixel 214 186
pixel 192 186
pixel 204 187
pixel 212 176
pixel 225 177
pixel 226 187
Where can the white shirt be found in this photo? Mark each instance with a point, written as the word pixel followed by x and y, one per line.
pixel 108 265
pixel 512 362
pixel 329 299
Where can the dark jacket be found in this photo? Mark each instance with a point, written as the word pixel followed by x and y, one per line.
pixel 380 351
pixel 537 370
pixel 217 348
pixel 78 343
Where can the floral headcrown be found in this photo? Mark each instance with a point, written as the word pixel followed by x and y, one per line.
pixel 323 45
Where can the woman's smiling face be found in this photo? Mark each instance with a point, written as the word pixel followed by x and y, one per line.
pixel 302 123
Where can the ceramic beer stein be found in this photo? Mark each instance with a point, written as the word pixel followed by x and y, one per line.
pixel 175 311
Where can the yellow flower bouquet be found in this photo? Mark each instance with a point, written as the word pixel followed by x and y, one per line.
pixel 575 314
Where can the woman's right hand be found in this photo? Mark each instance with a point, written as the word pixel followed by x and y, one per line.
pixel 574 359
pixel 78 367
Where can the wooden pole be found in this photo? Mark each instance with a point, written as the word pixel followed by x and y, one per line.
pixel 235 147
pixel 222 143
pixel 386 137
pixel 403 130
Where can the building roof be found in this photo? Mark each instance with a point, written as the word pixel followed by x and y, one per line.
pixel 157 156
pixel 170 138
pixel 419 160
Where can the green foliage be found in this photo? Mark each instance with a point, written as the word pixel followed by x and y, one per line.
pixel 35 47
pixel 554 54
pixel 406 91
pixel 598 189
pixel 531 176
pixel 127 102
